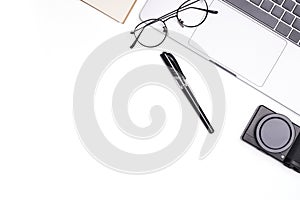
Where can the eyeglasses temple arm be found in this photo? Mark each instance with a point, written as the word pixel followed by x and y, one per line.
pixel 137 38
pixel 202 9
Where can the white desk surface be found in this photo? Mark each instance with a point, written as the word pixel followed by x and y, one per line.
pixel 43 45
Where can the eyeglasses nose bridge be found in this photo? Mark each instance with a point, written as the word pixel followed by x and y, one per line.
pixel 165 29
pixel 181 23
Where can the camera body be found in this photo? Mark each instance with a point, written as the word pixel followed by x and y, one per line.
pixel 275 135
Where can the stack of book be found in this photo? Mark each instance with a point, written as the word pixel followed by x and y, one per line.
pixel 116 9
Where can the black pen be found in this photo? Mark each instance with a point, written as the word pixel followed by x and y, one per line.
pixel 178 75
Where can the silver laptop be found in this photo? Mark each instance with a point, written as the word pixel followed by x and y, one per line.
pixel 256 40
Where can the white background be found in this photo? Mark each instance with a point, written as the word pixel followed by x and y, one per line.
pixel 43 45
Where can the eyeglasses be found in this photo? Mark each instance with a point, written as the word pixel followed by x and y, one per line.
pixel 191 13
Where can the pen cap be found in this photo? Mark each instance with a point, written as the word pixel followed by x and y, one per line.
pixel 171 62
pixel 164 57
pixel 168 63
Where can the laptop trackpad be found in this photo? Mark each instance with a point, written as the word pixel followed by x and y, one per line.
pixel 234 41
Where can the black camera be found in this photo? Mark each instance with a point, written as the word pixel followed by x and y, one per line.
pixel 275 135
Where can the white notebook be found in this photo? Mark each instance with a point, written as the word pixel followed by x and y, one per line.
pixel 116 9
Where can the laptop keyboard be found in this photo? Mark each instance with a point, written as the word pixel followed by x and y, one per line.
pixel 282 16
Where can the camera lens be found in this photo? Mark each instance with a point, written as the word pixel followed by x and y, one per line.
pixel 275 133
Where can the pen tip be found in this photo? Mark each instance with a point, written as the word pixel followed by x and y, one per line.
pixel 211 130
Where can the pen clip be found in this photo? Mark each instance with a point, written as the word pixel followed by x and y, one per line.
pixel 175 64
